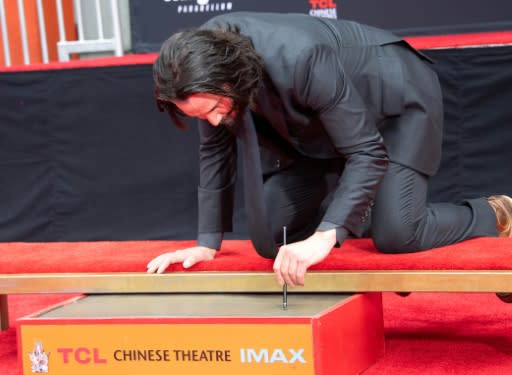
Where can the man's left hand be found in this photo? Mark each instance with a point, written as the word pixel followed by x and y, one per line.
pixel 293 260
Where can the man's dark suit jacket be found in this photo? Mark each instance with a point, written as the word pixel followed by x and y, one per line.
pixel 332 89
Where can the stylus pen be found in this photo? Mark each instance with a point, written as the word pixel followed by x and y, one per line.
pixel 285 286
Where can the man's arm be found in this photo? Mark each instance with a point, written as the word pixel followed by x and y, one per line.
pixel 322 86
pixel 215 194
pixel 217 177
pixel 329 92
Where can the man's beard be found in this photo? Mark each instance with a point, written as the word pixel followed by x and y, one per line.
pixel 228 120
pixel 231 118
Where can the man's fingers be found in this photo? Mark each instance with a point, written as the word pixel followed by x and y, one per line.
pixel 154 262
pixel 152 268
pixel 289 267
pixel 285 266
pixel 163 266
pixel 190 261
pixel 291 272
pixel 301 273
pixel 277 266
pixel 161 262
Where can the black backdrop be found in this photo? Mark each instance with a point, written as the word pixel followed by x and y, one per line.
pixel 152 21
pixel 85 155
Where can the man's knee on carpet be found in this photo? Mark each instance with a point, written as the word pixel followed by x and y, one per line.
pixel 396 238
pixel 266 253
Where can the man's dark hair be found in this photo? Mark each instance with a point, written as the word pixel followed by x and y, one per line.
pixel 215 61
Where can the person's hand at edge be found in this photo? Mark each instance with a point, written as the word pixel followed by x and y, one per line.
pixel 293 260
pixel 188 257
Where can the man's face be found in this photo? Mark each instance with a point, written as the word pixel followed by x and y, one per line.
pixel 216 109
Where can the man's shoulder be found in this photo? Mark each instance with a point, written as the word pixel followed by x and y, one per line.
pixel 231 17
pixel 254 17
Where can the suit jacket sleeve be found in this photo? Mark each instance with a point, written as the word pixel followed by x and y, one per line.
pixel 217 176
pixel 323 87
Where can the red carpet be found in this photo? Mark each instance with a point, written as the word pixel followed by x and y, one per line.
pixel 426 333
pixel 429 333
pixel 436 333
pixel 238 255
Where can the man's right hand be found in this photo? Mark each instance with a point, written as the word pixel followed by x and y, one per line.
pixel 188 257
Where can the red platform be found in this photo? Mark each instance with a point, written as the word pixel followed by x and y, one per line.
pixel 320 334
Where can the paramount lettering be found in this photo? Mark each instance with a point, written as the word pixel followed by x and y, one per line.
pixel 278 355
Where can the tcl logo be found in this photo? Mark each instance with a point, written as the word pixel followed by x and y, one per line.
pixel 82 356
pixel 322 4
